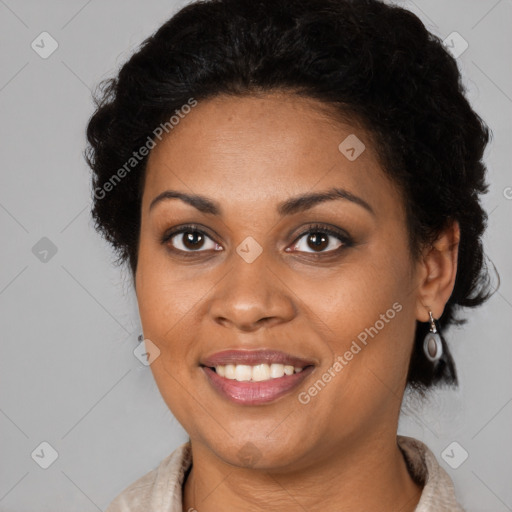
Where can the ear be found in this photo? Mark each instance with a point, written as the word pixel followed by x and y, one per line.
pixel 436 273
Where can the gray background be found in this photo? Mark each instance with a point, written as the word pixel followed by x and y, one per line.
pixel 70 323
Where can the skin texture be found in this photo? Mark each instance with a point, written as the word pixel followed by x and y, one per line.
pixel 337 452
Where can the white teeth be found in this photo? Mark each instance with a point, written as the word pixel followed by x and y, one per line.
pixel 288 370
pixel 276 370
pixel 243 372
pixel 257 373
pixel 229 371
pixel 260 372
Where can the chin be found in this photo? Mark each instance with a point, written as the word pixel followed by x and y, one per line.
pixel 258 450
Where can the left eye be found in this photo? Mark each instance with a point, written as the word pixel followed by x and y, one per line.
pixel 320 240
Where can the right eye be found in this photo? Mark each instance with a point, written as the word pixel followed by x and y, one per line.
pixel 188 239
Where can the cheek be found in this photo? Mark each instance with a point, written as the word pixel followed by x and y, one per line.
pixel 369 311
pixel 166 305
pixel 166 293
pixel 353 296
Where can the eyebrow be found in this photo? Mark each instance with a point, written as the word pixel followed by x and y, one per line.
pixel 289 207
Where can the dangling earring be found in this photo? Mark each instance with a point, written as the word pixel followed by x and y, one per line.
pixel 432 345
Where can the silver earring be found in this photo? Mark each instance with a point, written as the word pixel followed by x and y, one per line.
pixel 432 345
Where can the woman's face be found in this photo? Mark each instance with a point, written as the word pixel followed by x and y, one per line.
pixel 261 273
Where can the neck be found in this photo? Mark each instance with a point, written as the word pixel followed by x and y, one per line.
pixel 330 482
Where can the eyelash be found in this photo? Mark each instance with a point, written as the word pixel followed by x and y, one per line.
pixel 316 228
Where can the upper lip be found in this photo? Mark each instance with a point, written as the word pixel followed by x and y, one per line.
pixel 253 357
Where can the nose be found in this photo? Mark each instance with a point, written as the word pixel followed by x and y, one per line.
pixel 252 296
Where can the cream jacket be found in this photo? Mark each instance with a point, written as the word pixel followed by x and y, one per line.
pixel 160 490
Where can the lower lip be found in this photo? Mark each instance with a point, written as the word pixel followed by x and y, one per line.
pixel 253 393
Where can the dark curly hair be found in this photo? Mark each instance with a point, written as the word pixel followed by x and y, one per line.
pixel 373 63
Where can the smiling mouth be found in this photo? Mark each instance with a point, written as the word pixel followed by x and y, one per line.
pixel 251 377
pixel 255 392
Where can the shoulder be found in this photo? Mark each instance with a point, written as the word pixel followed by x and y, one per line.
pixel 438 492
pixel 159 489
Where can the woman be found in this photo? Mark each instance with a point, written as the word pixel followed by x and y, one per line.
pixel 295 186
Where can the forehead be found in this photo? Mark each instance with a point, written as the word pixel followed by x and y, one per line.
pixel 253 149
